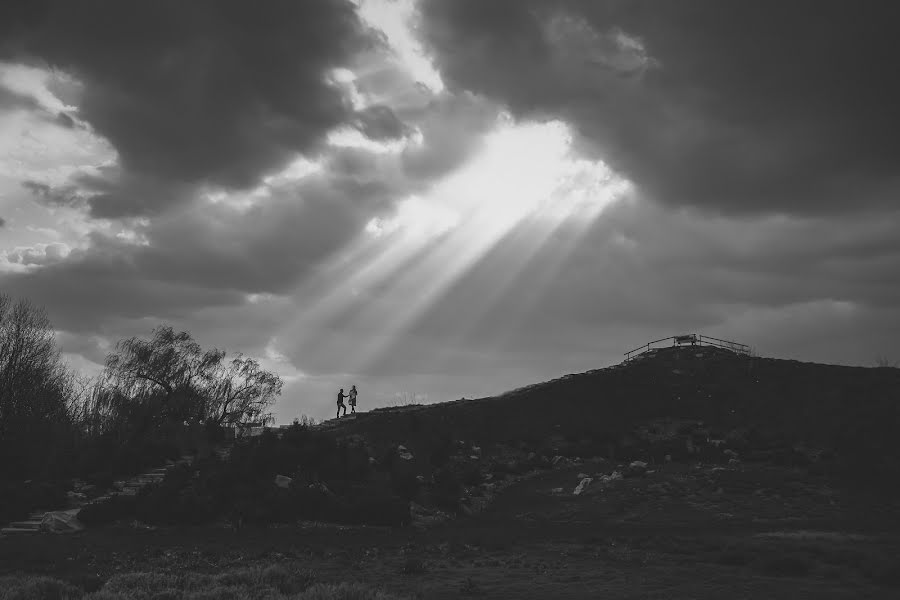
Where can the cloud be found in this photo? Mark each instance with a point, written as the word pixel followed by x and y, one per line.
pixel 48 195
pixel 204 92
pixel 379 122
pixel 40 254
pixel 727 106
pixel 2 222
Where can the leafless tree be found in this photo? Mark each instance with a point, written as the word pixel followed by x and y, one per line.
pixel 171 371
pixel 36 388
pixel 33 378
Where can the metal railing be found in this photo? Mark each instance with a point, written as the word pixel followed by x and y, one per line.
pixel 693 339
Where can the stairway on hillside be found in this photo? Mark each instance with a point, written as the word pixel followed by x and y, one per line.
pixel 124 487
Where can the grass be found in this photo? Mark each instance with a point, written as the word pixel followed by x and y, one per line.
pixel 273 582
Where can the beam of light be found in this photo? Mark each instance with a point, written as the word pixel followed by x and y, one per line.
pixel 524 175
pixel 524 185
pixel 387 247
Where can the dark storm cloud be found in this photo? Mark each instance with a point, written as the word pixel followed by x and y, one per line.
pixel 2 222
pixel 205 91
pixel 201 252
pixel 729 105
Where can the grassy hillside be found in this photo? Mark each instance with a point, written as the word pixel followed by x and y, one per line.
pixel 848 412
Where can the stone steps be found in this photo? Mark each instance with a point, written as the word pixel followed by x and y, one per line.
pixel 122 487
pixel 33 524
pixel 17 531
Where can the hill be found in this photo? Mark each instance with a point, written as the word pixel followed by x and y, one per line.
pixel 783 409
pixel 686 473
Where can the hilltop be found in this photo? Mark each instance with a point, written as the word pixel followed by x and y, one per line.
pixel 784 407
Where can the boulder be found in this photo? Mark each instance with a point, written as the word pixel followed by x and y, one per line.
pixel 558 460
pixel 636 469
pixel 62 521
pixel 283 481
pixel 582 485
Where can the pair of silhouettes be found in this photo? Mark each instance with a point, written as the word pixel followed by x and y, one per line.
pixel 340 401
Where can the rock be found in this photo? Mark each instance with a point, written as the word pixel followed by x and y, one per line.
pixel 420 479
pixel 61 522
pixel 404 454
pixel 583 475
pixel 582 485
pixel 733 462
pixel 322 488
pixel 557 490
pixel 531 455
pixel 558 460
pixel 283 481
pixel 76 496
pixel 636 469
pixel 718 443
pixel 476 450
pixel 730 452
pixel 668 458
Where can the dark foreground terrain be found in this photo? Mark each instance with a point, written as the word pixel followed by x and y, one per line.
pixel 679 532
pixel 759 500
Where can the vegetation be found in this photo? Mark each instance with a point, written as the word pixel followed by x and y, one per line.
pixel 274 582
pixel 156 399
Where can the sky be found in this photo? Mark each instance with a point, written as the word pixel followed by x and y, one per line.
pixel 436 199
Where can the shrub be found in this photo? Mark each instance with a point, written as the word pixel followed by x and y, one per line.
pixel 413 566
pixel 108 511
pixel 28 587
pixel 785 565
pixel 377 510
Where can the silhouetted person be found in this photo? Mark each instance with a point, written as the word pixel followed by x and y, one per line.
pixel 353 399
pixel 340 404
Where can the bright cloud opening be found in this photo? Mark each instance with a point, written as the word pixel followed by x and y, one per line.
pixel 525 179
pixel 393 18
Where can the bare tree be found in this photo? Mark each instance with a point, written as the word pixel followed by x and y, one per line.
pixel 188 383
pixel 36 388
pixel 33 378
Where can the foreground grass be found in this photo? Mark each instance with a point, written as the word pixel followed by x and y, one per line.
pixel 274 582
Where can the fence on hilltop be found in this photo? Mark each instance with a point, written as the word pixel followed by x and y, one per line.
pixel 693 339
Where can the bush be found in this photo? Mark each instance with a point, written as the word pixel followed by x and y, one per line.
pixel 377 510
pixel 112 509
pixel 19 498
pixel 28 587
pixel 785 565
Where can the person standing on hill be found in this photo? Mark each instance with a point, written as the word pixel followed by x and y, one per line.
pixel 353 399
pixel 340 404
